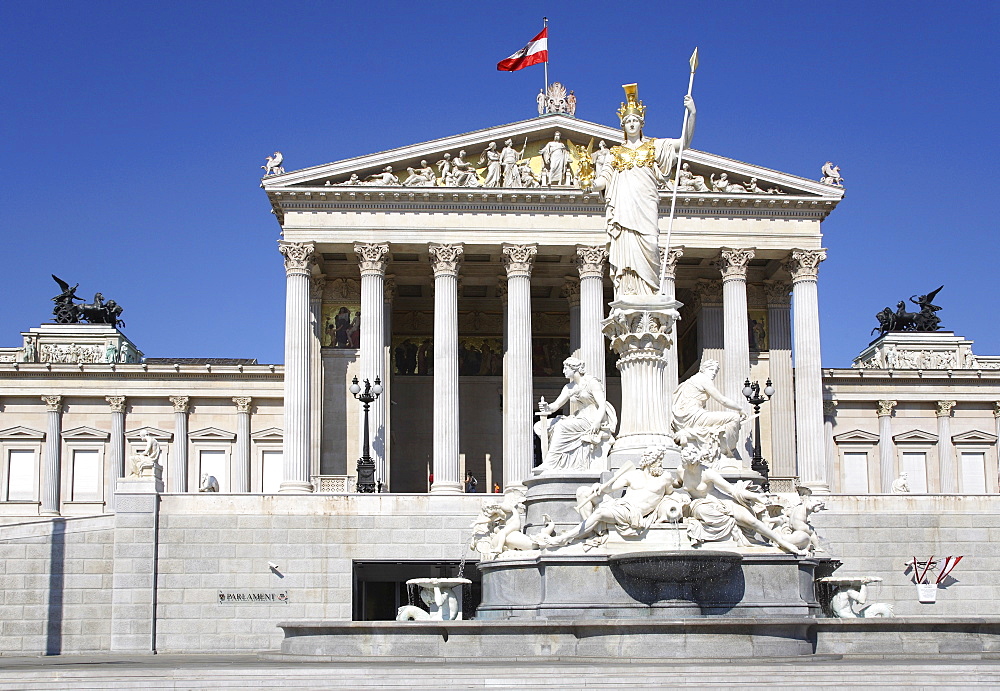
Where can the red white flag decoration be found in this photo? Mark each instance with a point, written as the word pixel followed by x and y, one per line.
pixel 535 52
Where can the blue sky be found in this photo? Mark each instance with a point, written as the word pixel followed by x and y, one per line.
pixel 134 133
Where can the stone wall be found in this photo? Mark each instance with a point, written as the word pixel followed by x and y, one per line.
pixel 93 567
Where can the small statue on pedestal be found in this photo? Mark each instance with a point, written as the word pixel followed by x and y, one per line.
pixel 146 463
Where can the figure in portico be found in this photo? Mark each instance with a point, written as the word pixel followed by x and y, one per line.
pixel 630 185
pixel 463 174
pixel 691 416
pixel 580 441
pixel 555 162
pixel 494 172
pixel 145 463
pixel 509 157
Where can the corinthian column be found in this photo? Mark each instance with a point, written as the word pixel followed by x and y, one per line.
pixel 804 268
pixel 779 338
pixel 51 466
pixel 733 264
pixel 829 416
pixel 591 263
pixel 708 303
pixel 518 446
pixel 373 259
pixel 241 462
pixel 317 284
pixel 669 288
pixel 946 455
pixel 388 296
pixel 886 447
pixel 117 447
pixel 299 258
pixel 445 260
pixel 571 291
pixel 179 458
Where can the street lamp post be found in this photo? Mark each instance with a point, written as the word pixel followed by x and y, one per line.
pixel 366 466
pixel 752 393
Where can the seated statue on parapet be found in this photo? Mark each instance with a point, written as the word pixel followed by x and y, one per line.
pixel 581 441
pixel 691 416
pixel 145 463
pixel 208 483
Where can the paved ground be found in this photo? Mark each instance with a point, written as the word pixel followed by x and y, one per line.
pixel 251 672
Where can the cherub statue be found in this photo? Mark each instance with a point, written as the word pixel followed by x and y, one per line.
pixel 273 165
pixel 795 523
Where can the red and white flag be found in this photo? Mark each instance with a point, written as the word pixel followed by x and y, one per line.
pixel 535 52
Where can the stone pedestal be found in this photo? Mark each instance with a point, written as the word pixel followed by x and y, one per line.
pixel 554 495
pixel 639 329
pixel 133 599
pixel 79 343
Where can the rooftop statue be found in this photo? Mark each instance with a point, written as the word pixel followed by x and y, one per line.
pixel 66 310
pixel 831 175
pixel 901 320
pixel 630 185
pixel 509 162
pixel 273 165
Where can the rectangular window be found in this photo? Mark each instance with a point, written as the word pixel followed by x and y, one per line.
pixel 86 475
pixel 271 472
pixel 213 462
pixel 973 472
pixel 855 472
pixel 914 464
pixel 21 475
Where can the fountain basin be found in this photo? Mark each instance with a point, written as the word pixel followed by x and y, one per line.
pixel 676 566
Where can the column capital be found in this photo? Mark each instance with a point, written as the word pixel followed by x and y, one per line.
pixel 53 404
pixel 778 292
pixel 517 259
pixel 670 257
pixel 803 265
pixel 885 408
pixel 445 259
pixel 733 263
pixel 181 403
pixel 317 284
pixel 944 408
pixel 829 408
pixel 242 403
pixel 591 260
pixel 389 289
pixel 707 291
pixel 372 257
pixel 117 403
pixel 299 256
pixel 571 291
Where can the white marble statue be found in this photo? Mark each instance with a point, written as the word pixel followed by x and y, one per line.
pixel 794 520
pixel 542 101
pixel 528 178
pixel 555 162
pixel 901 485
pixel 831 175
pixel 689 182
pixel 463 174
pixel 579 441
pixel 721 510
pixel 273 165
pixel 420 177
pixel 691 417
pixel 209 483
pixel 557 99
pixel 600 158
pixel 384 179
pixel 499 527
pixel 571 104
pixel 630 184
pixel 723 184
pixel 145 463
pixel 646 487
pixel 443 597
pixel 444 170
pixel 850 601
pixel 509 157
pixel 494 171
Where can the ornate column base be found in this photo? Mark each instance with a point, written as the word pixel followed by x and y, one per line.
pixel 446 487
pixel 295 487
pixel 639 329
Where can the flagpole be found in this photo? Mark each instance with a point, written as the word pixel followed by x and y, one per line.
pixel 680 155
pixel 545 25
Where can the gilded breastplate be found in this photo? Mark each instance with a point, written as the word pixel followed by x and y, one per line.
pixel 623 157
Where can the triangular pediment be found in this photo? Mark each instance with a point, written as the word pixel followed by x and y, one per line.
pixel 21 433
pixel 742 180
pixel 974 437
pixel 269 434
pixel 136 434
pixel 858 436
pixel 916 436
pixel 89 433
pixel 212 434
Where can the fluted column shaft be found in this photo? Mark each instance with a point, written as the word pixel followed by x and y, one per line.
pixel 829 413
pixel 669 289
pixel 779 337
pixel 317 285
pixel 946 454
pixel 241 461
pixel 710 325
pixel 591 264
pixel 52 462
pixel 518 452
pixel 733 265
pixel 373 259
pixel 116 448
pixel 886 447
pixel 299 258
pixel 388 295
pixel 178 472
pixel 445 260
pixel 804 267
